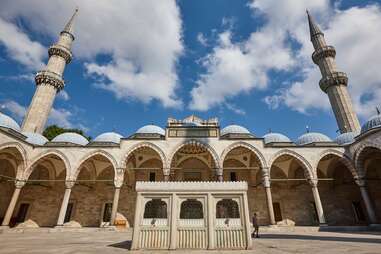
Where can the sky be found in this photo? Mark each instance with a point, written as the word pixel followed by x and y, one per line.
pixel 138 62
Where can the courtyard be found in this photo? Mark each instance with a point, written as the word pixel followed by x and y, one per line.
pixel 296 241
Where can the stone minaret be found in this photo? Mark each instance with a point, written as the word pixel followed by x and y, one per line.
pixel 334 83
pixel 49 81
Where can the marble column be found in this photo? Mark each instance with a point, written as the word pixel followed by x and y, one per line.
pixel 211 223
pixel 11 207
pixel 68 186
pixel 367 202
pixel 220 174
pixel 173 223
pixel 115 203
pixel 269 199
pixel 319 207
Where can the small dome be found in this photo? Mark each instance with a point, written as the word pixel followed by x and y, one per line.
pixel 151 129
pixel 8 122
pixel 346 138
pixel 109 137
pixel 71 137
pixel 275 137
pixel 312 137
pixel 372 123
pixel 35 138
pixel 234 129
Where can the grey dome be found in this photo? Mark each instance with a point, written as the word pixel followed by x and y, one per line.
pixel 275 137
pixel 312 137
pixel 151 129
pixel 8 122
pixel 109 137
pixel 372 123
pixel 346 138
pixel 71 137
pixel 35 138
pixel 234 129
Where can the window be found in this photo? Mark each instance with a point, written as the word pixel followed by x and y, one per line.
pixel 23 210
pixel 68 213
pixel 233 176
pixel 152 176
pixel 358 212
pixel 155 208
pixel 227 208
pixel 107 212
pixel 191 209
pixel 277 211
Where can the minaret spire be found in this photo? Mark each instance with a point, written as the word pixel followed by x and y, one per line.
pixel 333 83
pixel 69 28
pixel 50 80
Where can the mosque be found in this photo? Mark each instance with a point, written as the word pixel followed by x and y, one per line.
pixel 71 182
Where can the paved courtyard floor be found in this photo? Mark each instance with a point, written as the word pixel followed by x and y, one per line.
pixel 119 242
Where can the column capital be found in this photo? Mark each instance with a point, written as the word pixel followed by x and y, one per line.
pixel 313 182
pixel 360 182
pixel 219 171
pixel 120 170
pixel 118 182
pixel 19 183
pixel 69 184
pixel 166 171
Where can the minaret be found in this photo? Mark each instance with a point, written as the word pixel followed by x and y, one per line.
pixel 333 82
pixel 49 81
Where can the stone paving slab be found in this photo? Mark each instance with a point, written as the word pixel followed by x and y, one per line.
pixel 120 242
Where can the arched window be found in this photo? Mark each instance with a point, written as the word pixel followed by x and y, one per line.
pixel 156 208
pixel 191 209
pixel 227 208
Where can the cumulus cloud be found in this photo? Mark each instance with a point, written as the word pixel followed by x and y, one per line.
pixel 202 39
pixel 20 47
pixel 142 41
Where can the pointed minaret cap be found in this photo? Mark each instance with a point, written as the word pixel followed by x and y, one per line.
pixel 314 28
pixel 69 28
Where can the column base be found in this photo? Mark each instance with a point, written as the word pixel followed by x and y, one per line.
pixel 323 225
pixel 4 227
pixel 375 226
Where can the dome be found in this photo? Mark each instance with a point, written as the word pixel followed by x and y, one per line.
pixel 373 122
pixel 35 138
pixel 275 137
pixel 234 129
pixel 346 138
pixel 312 137
pixel 109 137
pixel 71 137
pixel 8 122
pixel 151 129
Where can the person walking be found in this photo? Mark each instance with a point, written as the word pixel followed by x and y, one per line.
pixel 255 225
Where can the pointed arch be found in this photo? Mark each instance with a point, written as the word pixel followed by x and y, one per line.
pixel 343 158
pixel 19 148
pixel 304 163
pixel 196 143
pixel 248 146
pixel 42 155
pixel 360 155
pixel 140 145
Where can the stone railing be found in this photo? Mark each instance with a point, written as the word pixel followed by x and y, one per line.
pixel 191 186
pixel 191 238
pixel 49 78
pixel 154 238
pixel 227 238
pixel 334 79
pixel 191 223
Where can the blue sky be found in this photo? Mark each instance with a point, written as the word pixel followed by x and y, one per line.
pixel 140 62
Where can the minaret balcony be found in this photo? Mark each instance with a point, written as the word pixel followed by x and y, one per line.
pixel 59 50
pixel 50 78
pixel 333 79
pixel 323 52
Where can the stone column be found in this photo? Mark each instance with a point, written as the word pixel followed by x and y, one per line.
pixel 368 204
pixel 65 202
pixel 173 223
pixel 139 203
pixel 269 199
pixel 319 207
pixel 167 173
pixel 211 215
pixel 118 183
pixel 11 207
pixel 220 174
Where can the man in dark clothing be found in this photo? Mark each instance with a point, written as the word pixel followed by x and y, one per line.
pixel 255 225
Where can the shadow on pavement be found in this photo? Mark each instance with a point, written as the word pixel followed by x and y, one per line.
pixel 122 245
pixel 321 238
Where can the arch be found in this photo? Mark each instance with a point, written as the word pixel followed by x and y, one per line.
pixel 42 155
pixel 250 147
pixel 343 158
pixel 154 147
pixel 359 156
pixel 305 164
pixel 88 156
pixel 19 148
pixel 197 143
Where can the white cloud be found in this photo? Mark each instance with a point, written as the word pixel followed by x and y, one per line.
pixel 63 95
pixel 20 47
pixel 142 38
pixel 202 39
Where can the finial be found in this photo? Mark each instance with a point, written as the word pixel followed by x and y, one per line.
pixel 270 131
pixel 378 111
pixel 69 28
pixel 314 28
pixel 307 129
